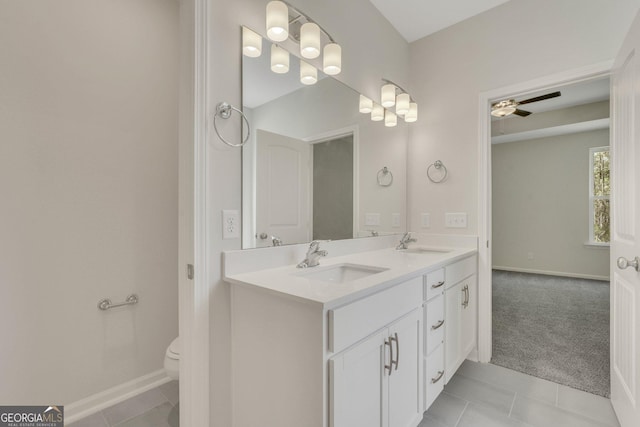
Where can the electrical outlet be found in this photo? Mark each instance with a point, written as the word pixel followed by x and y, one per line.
pixel 456 220
pixel 230 224
pixel 372 219
pixel 425 220
pixel 395 220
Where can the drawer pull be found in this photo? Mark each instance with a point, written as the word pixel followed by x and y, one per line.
pixel 437 378
pixel 390 365
pixel 391 339
pixel 437 285
pixel 437 325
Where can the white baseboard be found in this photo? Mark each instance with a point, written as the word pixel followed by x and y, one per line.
pixel 99 401
pixel 552 273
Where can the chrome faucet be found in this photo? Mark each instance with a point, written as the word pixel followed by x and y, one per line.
pixel 405 240
pixel 313 255
pixel 276 241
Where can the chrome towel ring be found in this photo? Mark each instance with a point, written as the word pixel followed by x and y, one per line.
pixel 439 166
pixel 224 110
pixel 385 177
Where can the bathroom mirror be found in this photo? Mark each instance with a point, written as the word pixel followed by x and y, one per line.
pixel 314 167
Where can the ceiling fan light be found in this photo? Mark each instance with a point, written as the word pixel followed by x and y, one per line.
pixel 388 95
pixel 277 21
pixel 412 114
pixel 402 104
pixel 332 60
pixel 504 108
pixel 366 105
pixel 251 43
pixel 279 60
pixel 308 73
pixel 377 113
pixel 390 119
pixel 310 40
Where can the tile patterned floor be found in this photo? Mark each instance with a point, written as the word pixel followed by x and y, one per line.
pixel 154 408
pixel 484 395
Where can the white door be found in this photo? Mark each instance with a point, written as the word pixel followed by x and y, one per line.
pixel 405 391
pixel 625 233
pixel 283 183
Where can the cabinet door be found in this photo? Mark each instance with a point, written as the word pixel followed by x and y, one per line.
pixel 452 325
pixel 405 380
pixel 358 384
pixel 468 332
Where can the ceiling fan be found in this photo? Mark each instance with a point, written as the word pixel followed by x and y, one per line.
pixel 510 106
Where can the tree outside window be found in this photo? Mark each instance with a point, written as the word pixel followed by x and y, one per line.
pixel 599 192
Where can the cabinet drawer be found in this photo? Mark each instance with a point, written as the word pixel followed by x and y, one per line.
pixel 460 270
pixel 352 322
pixel 434 324
pixel 433 284
pixel 434 376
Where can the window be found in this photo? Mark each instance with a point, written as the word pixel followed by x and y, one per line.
pixel 599 190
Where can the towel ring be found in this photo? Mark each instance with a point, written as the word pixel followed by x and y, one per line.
pixel 224 110
pixel 383 173
pixel 438 165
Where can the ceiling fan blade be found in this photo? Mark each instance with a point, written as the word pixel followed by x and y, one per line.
pixel 540 98
pixel 522 113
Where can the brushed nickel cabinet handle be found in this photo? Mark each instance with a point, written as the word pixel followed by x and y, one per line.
pixel 390 365
pixel 397 359
pixel 437 285
pixel 437 378
pixel 437 325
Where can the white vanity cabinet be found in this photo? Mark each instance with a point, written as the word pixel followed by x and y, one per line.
pixel 376 383
pixel 434 328
pixel 460 313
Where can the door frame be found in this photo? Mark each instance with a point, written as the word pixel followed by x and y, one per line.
pixel 577 75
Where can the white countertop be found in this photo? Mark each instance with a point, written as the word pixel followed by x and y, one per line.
pixel 291 281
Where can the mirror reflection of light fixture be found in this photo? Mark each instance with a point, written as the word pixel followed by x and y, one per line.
pixel 308 73
pixel 390 119
pixel 279 59
pixel 377 112
pixel 402 104
pixel 277 21
pixel 332 61
pixel 388 95
pixel 310 40
pixel 366 105
pixel 251 43
pixel 504 108
pixel 412 114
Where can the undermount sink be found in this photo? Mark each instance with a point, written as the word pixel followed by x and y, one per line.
pixel 341 273
pixel 423 250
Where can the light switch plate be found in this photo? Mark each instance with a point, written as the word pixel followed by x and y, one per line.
pixel 230 224
pixel 425 220
pixel 372 219
pixel 395 220
pixel 456 220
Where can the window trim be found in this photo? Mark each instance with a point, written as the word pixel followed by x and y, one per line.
pixel 592 197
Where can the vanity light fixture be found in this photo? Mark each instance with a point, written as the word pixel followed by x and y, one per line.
pixel 393 94
pixel 402 104
pixel 377 112
pixel 310 40
pixel 251 43
pixel 308 73
pixel 412 114
pixel 366 105
pixel 279 60
pixel 277 21
pixel 390 119
pixel 332 61
pixel 388 95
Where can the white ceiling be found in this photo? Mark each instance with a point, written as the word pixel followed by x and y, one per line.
pixel 415 19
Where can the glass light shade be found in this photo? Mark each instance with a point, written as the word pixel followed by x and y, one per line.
pixel 310 40
pixel 390 119
pixel 402 104
pixel 366 105
pixel 251 43
pixel 277 21
pixel 388 95
pixel 308 73
pixel 332 61
pixel 412 114
pixel 279 60
pixel 377 113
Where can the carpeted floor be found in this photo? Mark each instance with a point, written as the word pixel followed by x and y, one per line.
pixel 555 328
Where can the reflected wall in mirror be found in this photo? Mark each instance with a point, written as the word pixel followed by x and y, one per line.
pixel 310 168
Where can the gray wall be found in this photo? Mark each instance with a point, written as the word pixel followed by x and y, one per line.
pixel 541 206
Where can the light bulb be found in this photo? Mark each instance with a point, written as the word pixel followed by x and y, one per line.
pixel 308 73
pixel 251 43
pixel 277 21
pixel 310 40
pixel 332 61
pixel 402 104
pixel 377 113
pixel 279 60
pixel 366 105
pixel 412 114
pixel 390 119
pixel 388 95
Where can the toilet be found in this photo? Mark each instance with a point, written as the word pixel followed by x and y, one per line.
pixel 172 359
